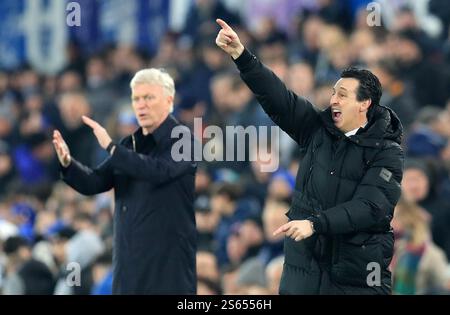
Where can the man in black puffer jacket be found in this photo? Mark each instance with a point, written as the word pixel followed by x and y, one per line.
pixel 338 238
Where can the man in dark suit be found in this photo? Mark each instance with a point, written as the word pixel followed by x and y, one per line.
pixel 154 223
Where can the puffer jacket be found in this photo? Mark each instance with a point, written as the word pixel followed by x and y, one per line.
pixel 348 186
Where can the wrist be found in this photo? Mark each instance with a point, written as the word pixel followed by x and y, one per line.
pixel 311 223
pixel 235 55
pixel 317 224
pixel 111 147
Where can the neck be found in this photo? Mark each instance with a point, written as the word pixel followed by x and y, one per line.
pixel 362 121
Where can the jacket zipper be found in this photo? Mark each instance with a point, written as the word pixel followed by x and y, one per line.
pixel 335 243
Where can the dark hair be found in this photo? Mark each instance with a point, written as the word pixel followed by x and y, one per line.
pixel 232 191
pixel 369 86
pixel 13 243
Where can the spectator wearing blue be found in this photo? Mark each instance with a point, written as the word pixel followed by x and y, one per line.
pixel 102 275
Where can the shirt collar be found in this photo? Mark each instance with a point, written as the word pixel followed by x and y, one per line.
pixel 354 131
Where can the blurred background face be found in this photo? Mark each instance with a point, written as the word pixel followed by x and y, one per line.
pixel 150 104
pixel 5 164
pixel 96 72
pixel 72 107
pixel 221 87
pixel 301 78
pixel 311 32
pixel 202 180
pixel 70 81
pixel 220 204
pixel 415 185
pixel 236 249
pixel 251 233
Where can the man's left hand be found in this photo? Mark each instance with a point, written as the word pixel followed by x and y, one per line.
pixel 102 135
pixel 296 229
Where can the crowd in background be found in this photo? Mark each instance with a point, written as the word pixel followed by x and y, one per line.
pixel 45 225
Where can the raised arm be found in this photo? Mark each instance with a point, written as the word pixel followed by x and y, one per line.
pixel 140 166
pixel 155 170
pixel 292 113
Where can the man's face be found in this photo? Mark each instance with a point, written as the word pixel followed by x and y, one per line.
pixel 150 104
pixel 345 108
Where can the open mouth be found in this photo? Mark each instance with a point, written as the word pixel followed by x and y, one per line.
pixel 336 114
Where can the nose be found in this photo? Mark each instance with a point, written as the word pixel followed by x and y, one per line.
pixel 140 104
pixel 333 99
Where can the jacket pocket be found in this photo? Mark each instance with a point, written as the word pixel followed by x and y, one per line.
pixel 300 254
pixel 354 258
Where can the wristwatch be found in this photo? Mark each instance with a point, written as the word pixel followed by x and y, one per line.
pixel 316 224
pixel 110 147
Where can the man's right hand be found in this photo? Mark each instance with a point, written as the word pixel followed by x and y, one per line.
pixel 228 40
pixel 62 150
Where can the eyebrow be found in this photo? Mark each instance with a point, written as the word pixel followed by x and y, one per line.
pixel 137 96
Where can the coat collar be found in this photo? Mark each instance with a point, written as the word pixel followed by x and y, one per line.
pixel 160 134
pixel 383 126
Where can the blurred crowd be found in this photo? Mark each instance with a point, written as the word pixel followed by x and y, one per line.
pixel 45 226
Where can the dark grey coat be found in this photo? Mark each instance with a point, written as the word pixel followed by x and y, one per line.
pixel 154 224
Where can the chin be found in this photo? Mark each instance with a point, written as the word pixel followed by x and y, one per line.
pixel 338 125
pixel 144 124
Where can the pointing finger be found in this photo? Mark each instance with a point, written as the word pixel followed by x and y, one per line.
pixel 282 229
pixel 224 25
pixel 90 122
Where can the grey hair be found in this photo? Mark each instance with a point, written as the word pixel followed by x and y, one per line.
pixel 157 77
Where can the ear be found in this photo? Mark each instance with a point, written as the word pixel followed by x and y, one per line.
pixel 365 105
pixel 170 99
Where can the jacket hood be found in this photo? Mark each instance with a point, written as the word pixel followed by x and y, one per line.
pixel 383 126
